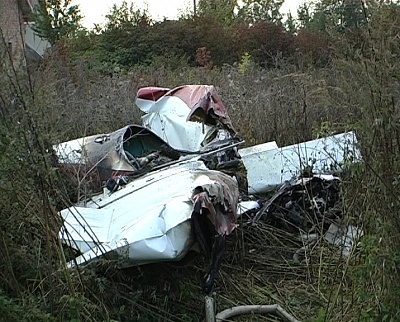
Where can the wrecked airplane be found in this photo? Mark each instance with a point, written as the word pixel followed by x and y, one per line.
pixel 177 125
pixel 169 182
pixel 176 180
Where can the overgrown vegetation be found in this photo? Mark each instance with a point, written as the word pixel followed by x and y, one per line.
pixel 56 20
pixel 87 85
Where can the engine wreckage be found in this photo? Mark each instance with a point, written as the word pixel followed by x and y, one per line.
pixel 181 179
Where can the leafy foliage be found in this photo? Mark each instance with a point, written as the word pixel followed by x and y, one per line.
pixel 124 17
pixel 222 11
pixel 264 41
pixel 56 20
pixel 327 15
pixel 261 10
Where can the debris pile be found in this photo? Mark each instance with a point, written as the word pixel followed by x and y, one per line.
pixel 311 209
pixel 303 205
pixel 173 184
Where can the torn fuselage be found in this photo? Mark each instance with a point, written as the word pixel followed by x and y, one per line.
pixel 163 179
pixel 178 123
pixel 149 219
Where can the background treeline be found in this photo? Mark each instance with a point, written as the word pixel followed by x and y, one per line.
pixel 335 68
pixel 221 33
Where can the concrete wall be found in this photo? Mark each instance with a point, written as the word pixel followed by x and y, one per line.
pixel 12 37
pixel 34 41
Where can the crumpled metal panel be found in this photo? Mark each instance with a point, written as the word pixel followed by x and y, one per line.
pixel 220 195
pixel 149 219
pixel 344 236
pixel 269 166
pixel 129 149
pixel 169 112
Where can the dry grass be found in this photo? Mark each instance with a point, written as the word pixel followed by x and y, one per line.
pixel 63 100
pixel 257 269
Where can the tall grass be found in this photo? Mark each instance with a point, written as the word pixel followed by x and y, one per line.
pixel 61 99
pixel 370 84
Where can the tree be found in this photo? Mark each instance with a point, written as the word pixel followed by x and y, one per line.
pixel 338 15
pixel 125 38
pixel 261 10
pixel 304 15
pixel 221 10
pixel 126 17
pixel 290 24
pixel 56 20
pixel 264 41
